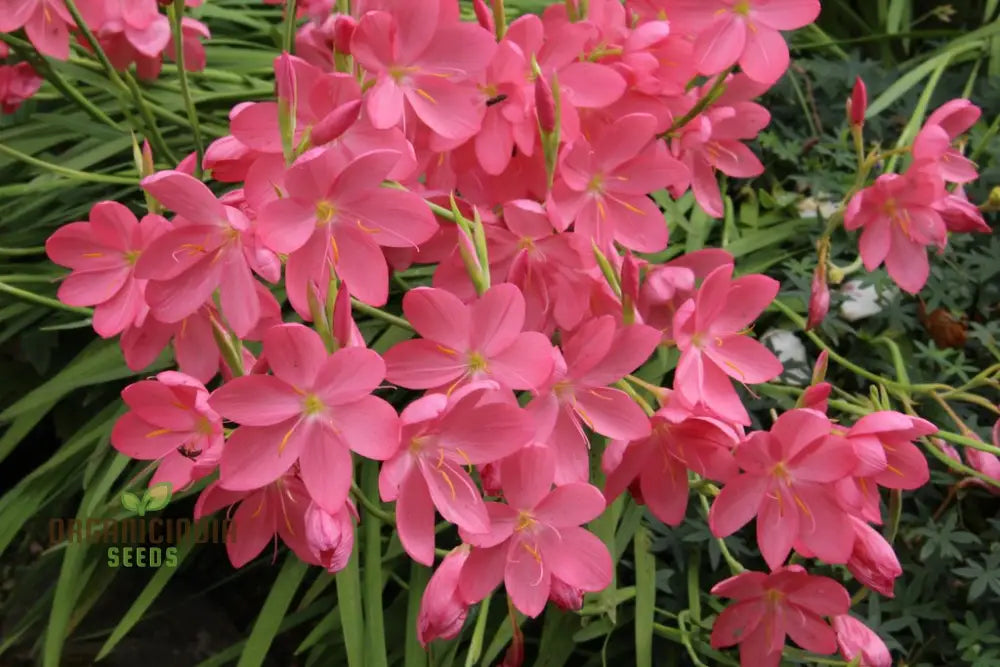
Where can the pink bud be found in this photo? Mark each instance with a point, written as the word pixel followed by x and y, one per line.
pixel 857 105
pixel 442 611
pixel 856 639
pixel 147 158
pixel 565 596
pixel 284 78
pixel 483 15
pixel 489 475
pixel 330 536
pixel 819 298
pixel 873 562
pixel 986 463
pixel 630 276
pixel 343 32
pixel 545 105
pixel 819 369
pixel 335 123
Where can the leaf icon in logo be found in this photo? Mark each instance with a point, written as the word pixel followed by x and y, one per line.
pixel 130 501
pixel 157 496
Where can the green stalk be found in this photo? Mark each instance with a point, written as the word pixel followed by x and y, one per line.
pixel 22 252
pixel 351 614
pixel 39 62
pixel 499 18
pixel 375 654
pixel 288 43
pixel 176 16
pixel 65 171
pixel 112 73
pixel 25 295
pixel 478 633
pixel 380 314
pixel 414 654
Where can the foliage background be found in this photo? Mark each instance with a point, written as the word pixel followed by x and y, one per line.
pixel 59 397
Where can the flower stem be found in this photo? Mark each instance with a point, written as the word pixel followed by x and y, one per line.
pixel 176 18
pixel 65 171
pixel 380 314
pixel 288 43
pixel 375 655
pixel 22 252
pixel 718 86
pixel 25 295
pixel 371 506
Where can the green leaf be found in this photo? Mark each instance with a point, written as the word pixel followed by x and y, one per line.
pixel 351 613
pixel 130 501
pixel 157 496
pixel 145 599
pixel 645 597
pixel 273 612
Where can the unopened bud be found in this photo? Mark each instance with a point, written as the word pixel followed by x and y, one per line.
pixel 857 105
pixel 819 370
pixel 545 105
pixel 330 536
pixel 819 297
pixel 343 32
pixel 483 15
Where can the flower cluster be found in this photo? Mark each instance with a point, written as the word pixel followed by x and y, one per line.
pixel 128 31
pixel 517 161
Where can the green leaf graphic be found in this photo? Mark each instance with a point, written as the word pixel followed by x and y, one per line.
pixel 157 496
pixel 130 501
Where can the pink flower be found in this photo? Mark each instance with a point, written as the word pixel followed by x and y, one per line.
pixel 954 119
pixel 746 31
pixel 314 409
pixel 211 247
pixel 536 536
pixel 887 457
pixel 709 332
pixel 604 184
pixel 330 536
pixel 768 607
pixel 899 221
pixel 787 483
pixel 660 463
pixel 337 214
pixel 475 425
pixel 277 509
pixel 856 639
pixel 46 23
pixel 873 562
pixel 713 141
pixel 442 610
pixel 171 422
pixel 467 343
pixel 419 56
pixel 668 286
pixel 17 83
pixel 594 355
pixel 103 254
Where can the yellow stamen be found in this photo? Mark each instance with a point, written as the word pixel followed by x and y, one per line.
pixel 447 480
pixel 370 230
pixel 336 250
pixel 447 350
pixel 325 212
pixel 284 440
pixel 260 508
pixel 158 432
pixel 93 254
pixel 427 96
pixel 533 550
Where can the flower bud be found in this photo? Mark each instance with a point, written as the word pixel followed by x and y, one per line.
pixel 545 105
pixel 819 298
pixel 442 611
pixel 857 105
pixel 566 597
pixel 856 639
pixel 330 536
pixel 343 32
pixel 483 15
pixel 873 562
